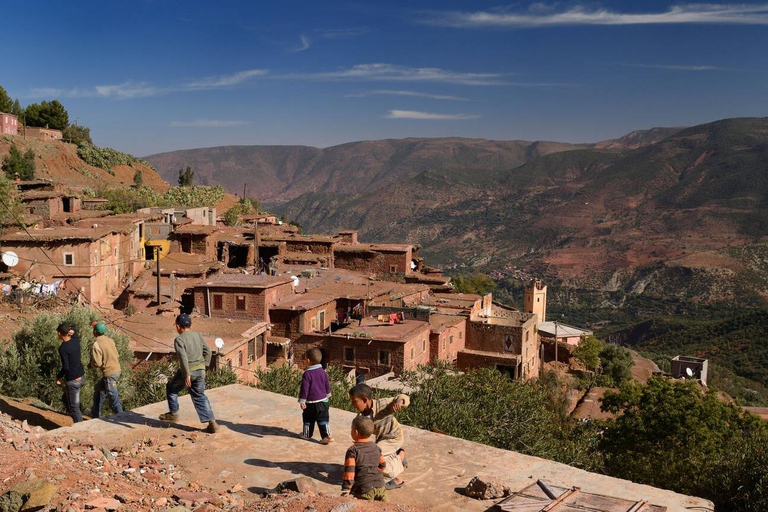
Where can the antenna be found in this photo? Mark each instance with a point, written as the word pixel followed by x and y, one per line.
pixel 11 259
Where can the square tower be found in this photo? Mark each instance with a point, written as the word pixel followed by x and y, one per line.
pixel 536 300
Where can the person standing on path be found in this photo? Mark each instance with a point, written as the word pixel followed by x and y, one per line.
pixel 105 358
pixel 194 355
pixel 72 370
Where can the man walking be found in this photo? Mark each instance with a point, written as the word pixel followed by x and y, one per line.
pixel 104 357
pixel 194 355
pixel 72 370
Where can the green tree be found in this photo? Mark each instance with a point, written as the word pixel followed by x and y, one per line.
pixel 29 367
pixel 588 352
pixel 479 284
pixel 10 209
pixel 17 110
pixel 673 435
pixel 17 163
pixel 6 104
pixel 77 134
pixel 47 113
pixel 232 216
pixel 616 363
pixel 138 178
pixel 186 177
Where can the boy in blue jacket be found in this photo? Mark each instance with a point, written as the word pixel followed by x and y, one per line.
pixel 313 398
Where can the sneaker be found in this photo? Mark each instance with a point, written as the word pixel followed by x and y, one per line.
pixel 326 440
pixel 212 427
pixel 169 416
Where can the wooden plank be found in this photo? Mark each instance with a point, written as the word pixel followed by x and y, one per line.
pixel 561 500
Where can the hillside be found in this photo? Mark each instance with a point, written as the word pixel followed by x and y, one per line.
pixel 286 172
pixel 60 163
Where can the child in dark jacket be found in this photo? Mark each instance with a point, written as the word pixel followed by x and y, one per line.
pixel 313 398
pixel 363 464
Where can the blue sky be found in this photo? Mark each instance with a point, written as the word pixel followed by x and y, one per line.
pixel 156 75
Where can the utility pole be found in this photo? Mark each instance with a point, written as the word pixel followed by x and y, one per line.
pixel 256 244
pixel 555 346
pixel 245 187
pixel 157 255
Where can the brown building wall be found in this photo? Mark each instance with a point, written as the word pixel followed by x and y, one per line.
pixel 309 246
pixel 446 345
pixel 257 301
pixel 467 361
pixel 358 261
pixel 491 338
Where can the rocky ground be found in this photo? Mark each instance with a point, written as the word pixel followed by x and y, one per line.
pixel 57 473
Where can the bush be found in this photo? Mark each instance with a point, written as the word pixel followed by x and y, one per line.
pixel 29 367
pixel 17 163
pixel 674 436
pixel 286 380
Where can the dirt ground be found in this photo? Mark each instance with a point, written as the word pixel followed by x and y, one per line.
pixel 133 477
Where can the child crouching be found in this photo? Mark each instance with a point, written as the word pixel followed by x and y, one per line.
pixel 363 464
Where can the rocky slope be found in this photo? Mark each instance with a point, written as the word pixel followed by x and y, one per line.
pixel 59 162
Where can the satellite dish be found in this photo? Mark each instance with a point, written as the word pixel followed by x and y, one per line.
pixel 219 343
pixel 11 259
pixel 295 280
pixel 689 372
pixel 413 266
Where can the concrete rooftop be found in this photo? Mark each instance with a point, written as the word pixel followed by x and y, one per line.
pixel 258 447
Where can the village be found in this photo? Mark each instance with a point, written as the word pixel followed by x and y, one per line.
pixel 262 294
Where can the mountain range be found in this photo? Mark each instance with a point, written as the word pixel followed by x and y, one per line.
pixel 621 214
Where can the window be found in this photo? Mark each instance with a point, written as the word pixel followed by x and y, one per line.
pixel 321 320
pixel 538 299
pixel 349 354
pixel 240 302
pixel 423 345
pixel 412 352
pixel 443 343
pixel 460 334
pixel 115 252
pixel 392 269
pixel 240 358
pixel 384 357
pixel 69 259
pixel 526 335
pixel 450 339
pixel 218 301
pixel 251 349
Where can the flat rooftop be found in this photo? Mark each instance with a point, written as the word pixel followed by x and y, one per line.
pixel 155 333
pixel 438 322
pixel 384 331
pixel 243 280
pixel 258 447
pixel 303 301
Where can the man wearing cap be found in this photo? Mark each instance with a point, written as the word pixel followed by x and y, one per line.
pixel 194 355
pixel 104 358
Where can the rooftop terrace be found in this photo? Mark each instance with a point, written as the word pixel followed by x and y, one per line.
pixel 258 447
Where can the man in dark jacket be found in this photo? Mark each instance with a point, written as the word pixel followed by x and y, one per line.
pixel 72 370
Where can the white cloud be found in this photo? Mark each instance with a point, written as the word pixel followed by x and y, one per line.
pixel 305 45
pixel 427 116
pixel 125 90
pixel 542 15
pixel 387 92
pixel 390 72
pixel 217 82
pixel 381 72
pixel 206 123
pixel 676 67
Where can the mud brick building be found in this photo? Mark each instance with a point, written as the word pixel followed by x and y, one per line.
pixel 241 295
pixel 49 204
pixel 447 337
pixel 87 260
pixel 300 314
pixel 195 239
pixel 379 259
pixel 371 348
pixel 506 339
pixel 9 124
pixel 244 351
